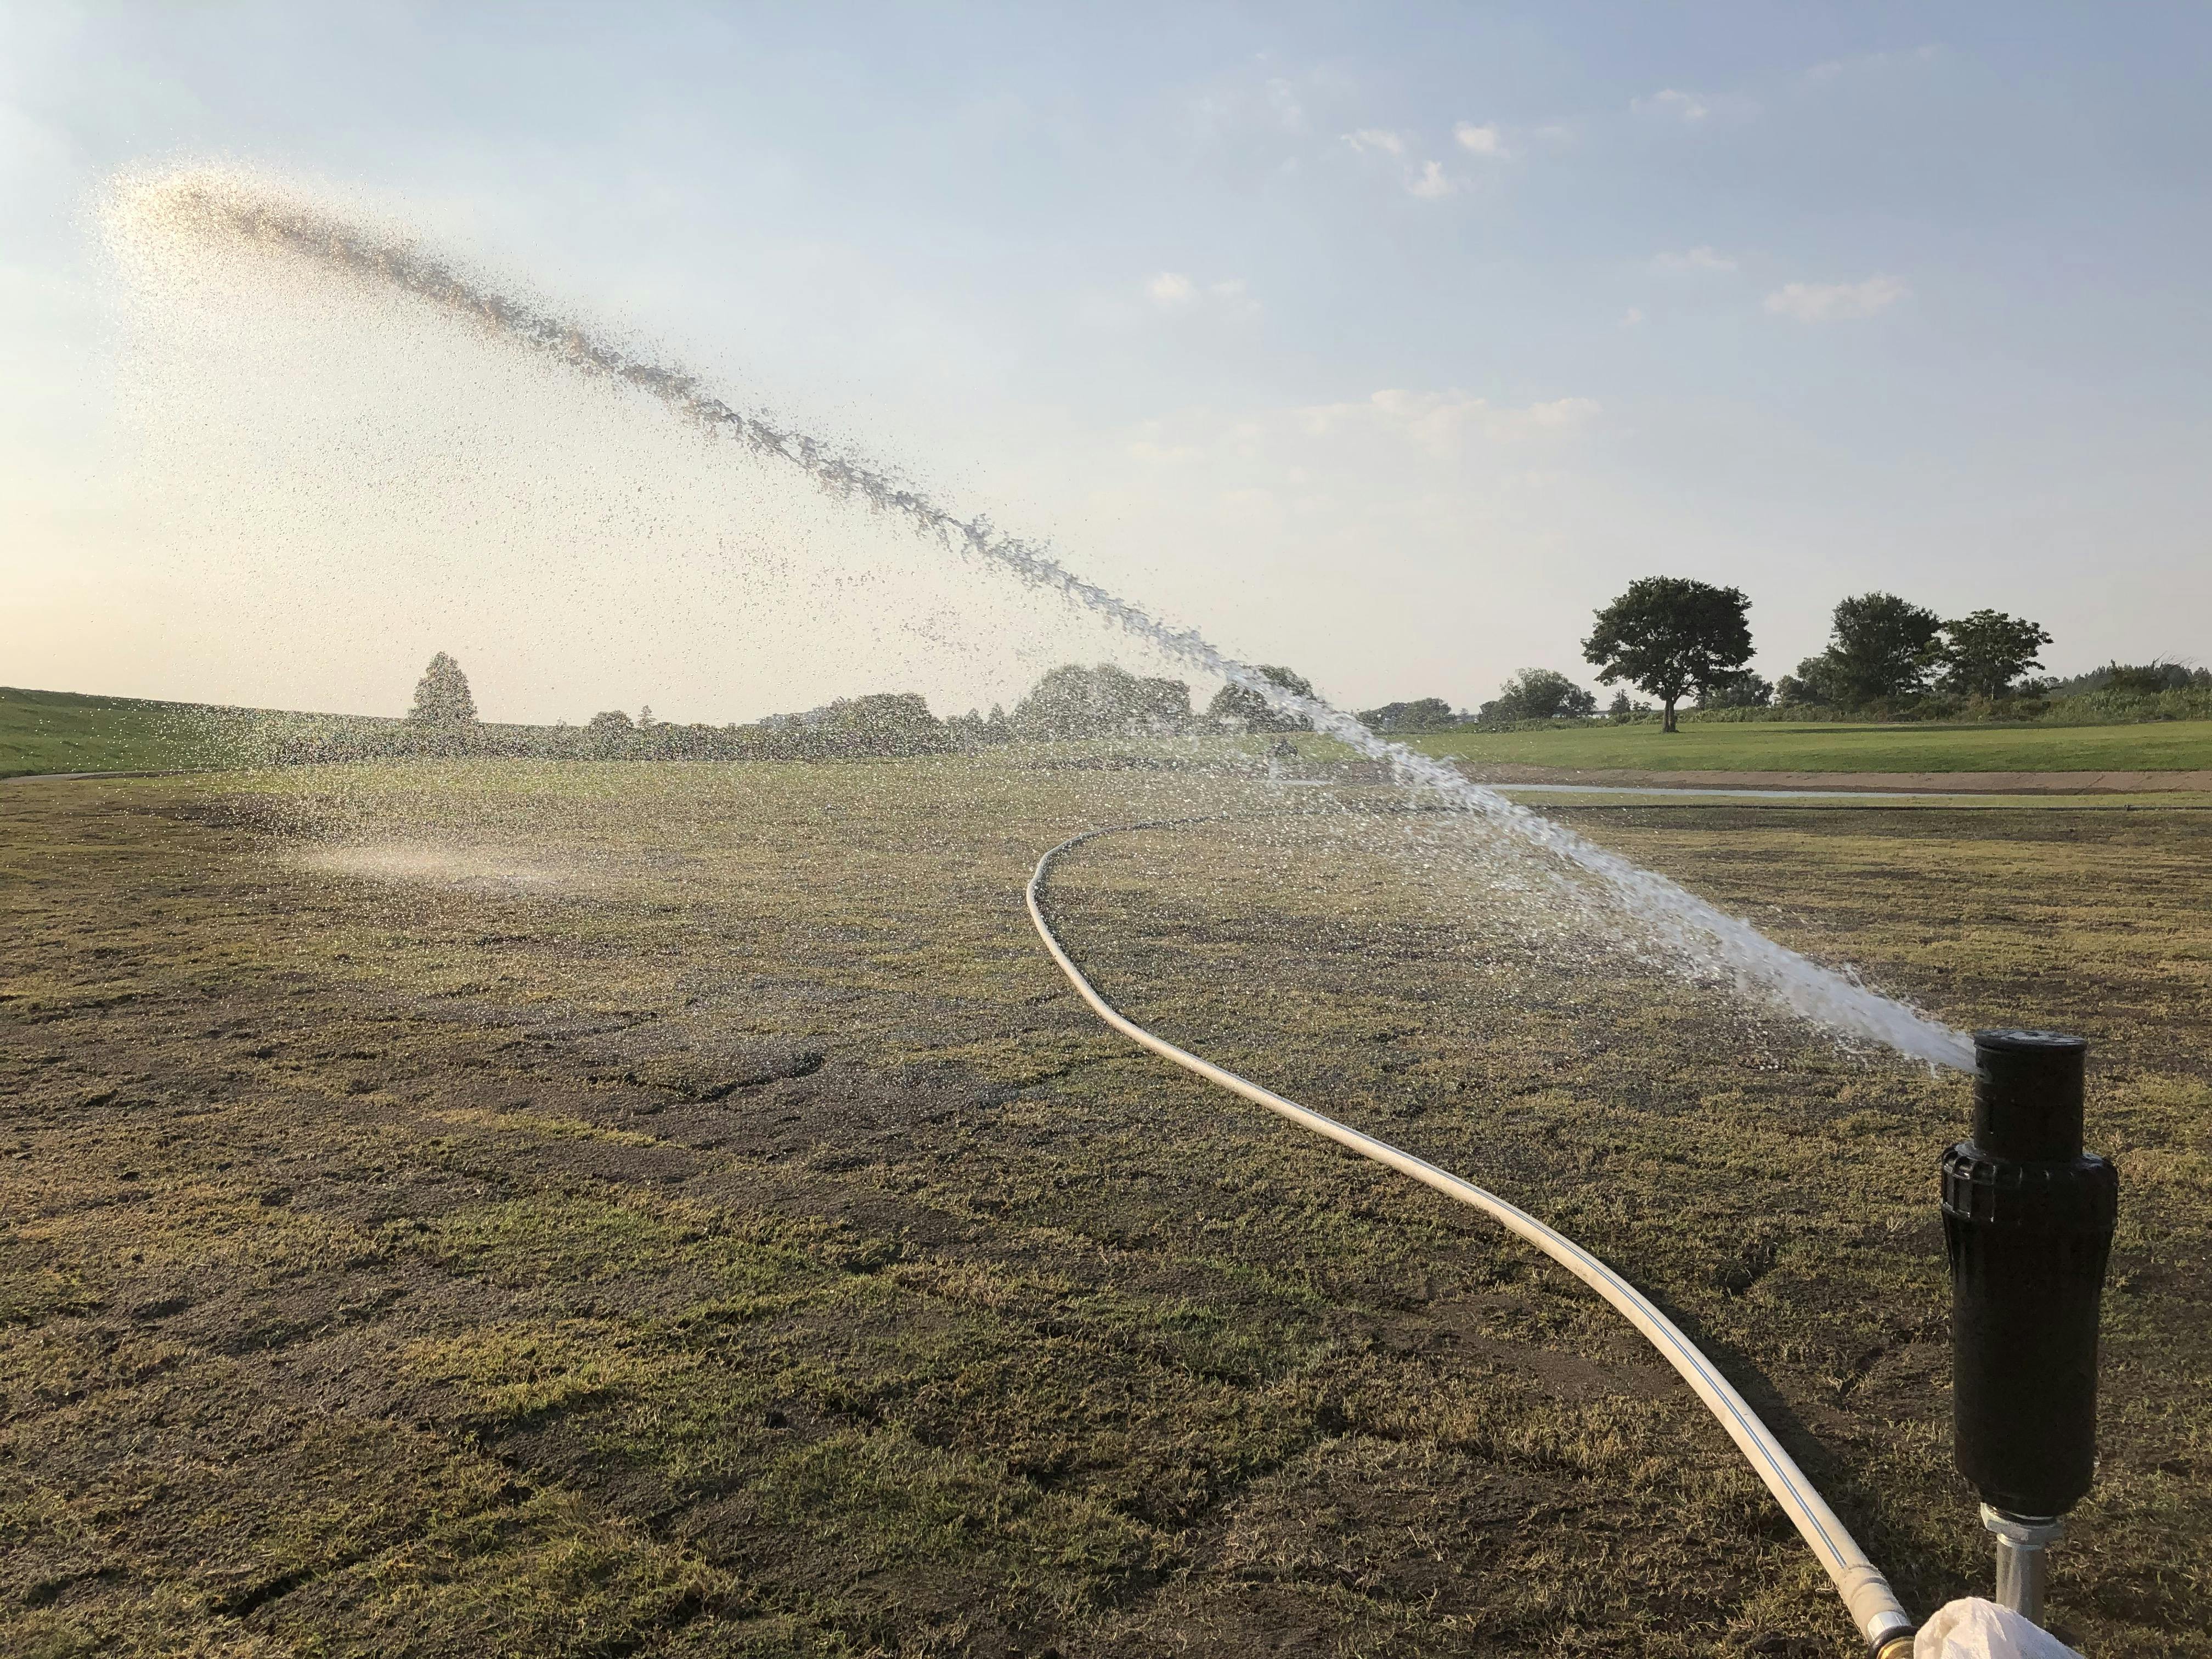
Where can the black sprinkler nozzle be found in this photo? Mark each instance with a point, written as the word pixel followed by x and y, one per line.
pixel 2028 1222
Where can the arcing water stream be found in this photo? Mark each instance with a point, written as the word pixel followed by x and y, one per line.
pixel 166 216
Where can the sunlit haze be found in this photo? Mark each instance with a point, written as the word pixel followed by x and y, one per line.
pixel 1382 345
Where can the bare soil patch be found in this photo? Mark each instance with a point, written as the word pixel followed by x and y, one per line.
pixel 751 1250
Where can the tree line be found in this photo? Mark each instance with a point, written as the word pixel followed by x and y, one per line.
pixel 1673 639
pixel 1073 701
pixel 1669 637
pixel 1078 699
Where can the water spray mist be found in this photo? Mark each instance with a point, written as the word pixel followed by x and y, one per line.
pixel 157 217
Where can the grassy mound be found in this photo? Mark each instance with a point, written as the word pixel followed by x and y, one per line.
pixel 66 732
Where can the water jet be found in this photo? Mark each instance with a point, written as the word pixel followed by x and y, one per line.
pixel 164 224
pixel 2027 1215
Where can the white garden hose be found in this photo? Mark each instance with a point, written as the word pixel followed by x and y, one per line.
pixel 1873 1606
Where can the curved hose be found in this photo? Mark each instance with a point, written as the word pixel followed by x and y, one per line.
pixel 1873 1606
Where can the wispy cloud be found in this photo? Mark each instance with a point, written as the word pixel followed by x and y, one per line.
pixel 1674 103
pixel 1484 140
pixel 1439 421
pixel 1828 302
pixel 1172 290
pixel 1701 258
pixel 1432 181
pixel 1423 179
pixel 1376 140
pixel 1259 105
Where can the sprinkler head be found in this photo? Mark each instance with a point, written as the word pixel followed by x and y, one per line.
pixel 2028 1222
pixel 2027 1096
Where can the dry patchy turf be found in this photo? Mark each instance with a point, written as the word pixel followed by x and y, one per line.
pixel 671 1211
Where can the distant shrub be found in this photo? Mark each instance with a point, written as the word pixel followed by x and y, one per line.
pixel 1742 689
pixel 1075 700
pixel 2145 679
pixel 1421 715
pixel 884 723
pixel 2110 707
pixel 1244 709
pixel 1538 693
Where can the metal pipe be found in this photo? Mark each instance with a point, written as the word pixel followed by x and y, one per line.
pixel 1873 1605
pixel 2023 1561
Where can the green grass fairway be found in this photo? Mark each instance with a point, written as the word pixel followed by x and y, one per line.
pixel 69 731
pixel 2158 746
pixel 64 731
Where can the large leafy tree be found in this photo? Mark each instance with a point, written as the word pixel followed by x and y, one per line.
pixel 610 733
pixel 1881 648
pixel 1667 635
pixel 883 723
pixel 1242 704
pixel 1073 701
pixel 441 695
pixel 1163 703
pixel 1539 694
pixel 1985 654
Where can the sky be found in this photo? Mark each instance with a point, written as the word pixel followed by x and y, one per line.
pixel 1386 343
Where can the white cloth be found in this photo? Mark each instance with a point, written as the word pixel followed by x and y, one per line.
pixel 1975 1629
